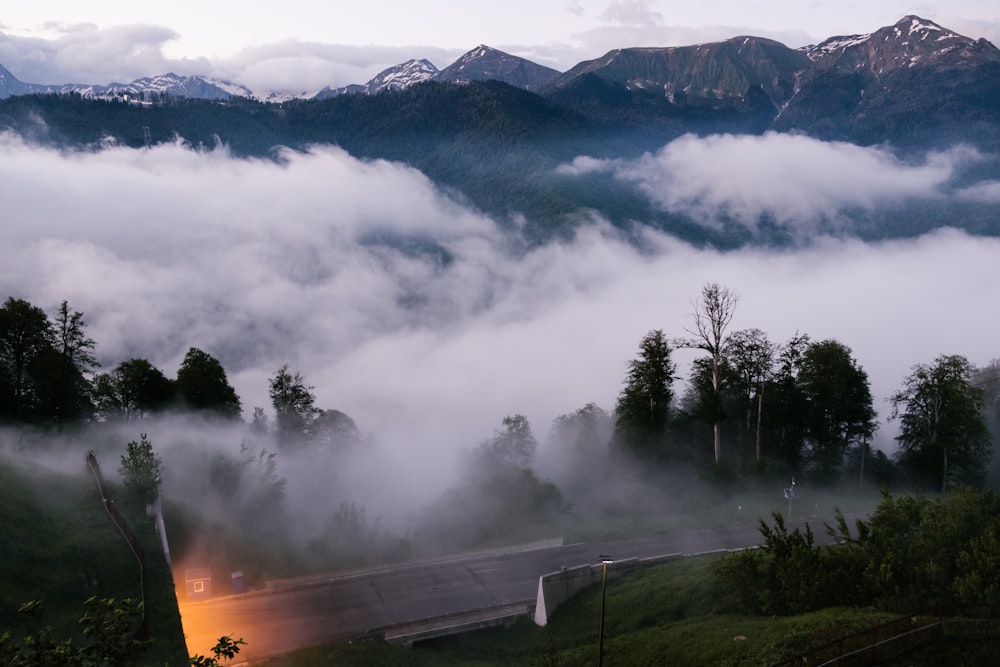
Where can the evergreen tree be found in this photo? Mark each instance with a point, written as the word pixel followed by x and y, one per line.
pixel 141 471
pixel 642 412
pixel 76 361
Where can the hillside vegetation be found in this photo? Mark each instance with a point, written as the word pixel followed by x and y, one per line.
pixel 59 548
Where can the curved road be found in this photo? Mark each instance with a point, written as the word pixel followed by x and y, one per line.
pixel 295 614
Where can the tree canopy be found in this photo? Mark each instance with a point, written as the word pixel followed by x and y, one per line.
pixel 643 409
pixel 943 430
pixel 202 385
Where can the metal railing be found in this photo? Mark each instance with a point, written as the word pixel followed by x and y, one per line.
pixel 903 635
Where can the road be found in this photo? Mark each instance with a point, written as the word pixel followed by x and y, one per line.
pixel 294 615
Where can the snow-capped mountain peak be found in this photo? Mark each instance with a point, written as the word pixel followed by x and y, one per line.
pixel 401 76
pixel 909 41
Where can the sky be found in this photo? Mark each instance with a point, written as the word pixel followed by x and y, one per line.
pixel 304 45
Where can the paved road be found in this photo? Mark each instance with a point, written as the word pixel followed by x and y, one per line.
pixel 307 613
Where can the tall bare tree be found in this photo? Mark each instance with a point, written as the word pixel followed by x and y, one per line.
pixel 712 316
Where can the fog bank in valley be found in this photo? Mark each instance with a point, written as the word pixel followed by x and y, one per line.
pixel 419 317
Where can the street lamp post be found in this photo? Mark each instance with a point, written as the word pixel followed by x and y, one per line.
pixel 605 560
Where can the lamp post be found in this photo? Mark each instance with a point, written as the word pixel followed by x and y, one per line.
pixel 791 494
pixel 605 560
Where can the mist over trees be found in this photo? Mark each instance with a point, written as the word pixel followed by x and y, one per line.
pixel 747 410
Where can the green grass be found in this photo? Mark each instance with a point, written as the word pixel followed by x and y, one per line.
pixel 57 545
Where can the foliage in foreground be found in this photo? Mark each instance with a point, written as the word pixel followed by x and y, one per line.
pixel 226 648
pixel 109 627
pixel 950 555
pixel 111 630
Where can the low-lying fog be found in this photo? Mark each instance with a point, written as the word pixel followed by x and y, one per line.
pixel 261 264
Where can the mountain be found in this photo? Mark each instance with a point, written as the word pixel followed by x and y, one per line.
pixel 393 78
pixel 198 87
pixel 486 63
pixel 10 86
pixel 911 87
pixel 706 74
pixel 170 84
pixel 482 63
pixel 913 80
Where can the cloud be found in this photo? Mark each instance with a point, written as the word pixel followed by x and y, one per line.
pixel 406 311
pixel 800 183
pixel 987 192
pixel 85 53
pixel 294 66
pixel 632 12
pixel 88 54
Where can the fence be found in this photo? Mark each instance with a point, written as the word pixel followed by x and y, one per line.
pixel 126 532
pixel 898 637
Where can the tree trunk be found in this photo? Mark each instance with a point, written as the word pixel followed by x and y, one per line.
pixel 944 471
pixel 760 413
pixel 864 452
pixel 717 432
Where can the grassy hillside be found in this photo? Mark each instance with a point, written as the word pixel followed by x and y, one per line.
pixel 58 546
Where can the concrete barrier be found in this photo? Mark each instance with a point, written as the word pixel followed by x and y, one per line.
pixel 406 634
pixel 555 588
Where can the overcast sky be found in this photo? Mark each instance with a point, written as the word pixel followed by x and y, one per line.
pixel 299 45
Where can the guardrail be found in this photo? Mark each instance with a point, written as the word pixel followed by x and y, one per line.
pixel 903 635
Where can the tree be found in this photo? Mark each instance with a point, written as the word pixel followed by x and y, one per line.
pixel 942 426
pixel 583 433
pixel 751 358
pixel 788 404
pixel 643 408
pixel 141 471
pixel 134 390
pixel 294 406
pixel 988 380
pixel 25 340
pixel 577 450
pixel 76 360
pixel 336 431
pixel 838 404
pixel 513 445
pixel 711 319
pixel 202 385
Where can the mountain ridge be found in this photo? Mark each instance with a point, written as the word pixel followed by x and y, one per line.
pixel 723 69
